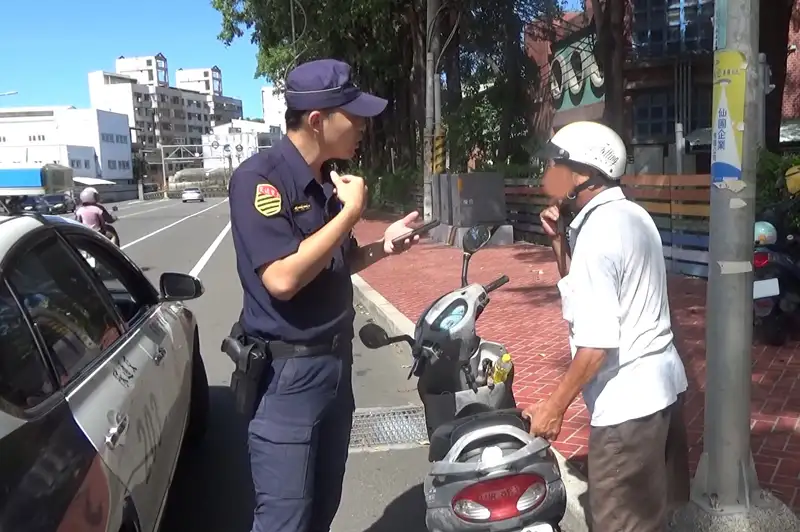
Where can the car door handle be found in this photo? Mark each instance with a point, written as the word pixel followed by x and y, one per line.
pixel 116 431
pixel 159 355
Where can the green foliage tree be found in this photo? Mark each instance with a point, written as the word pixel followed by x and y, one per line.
pixel 487 74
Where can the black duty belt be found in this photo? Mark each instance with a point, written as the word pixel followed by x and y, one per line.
pixel 279 349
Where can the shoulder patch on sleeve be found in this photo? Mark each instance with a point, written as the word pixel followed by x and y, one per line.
pixel 267 200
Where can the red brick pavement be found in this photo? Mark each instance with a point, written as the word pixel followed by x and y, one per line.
pixel 526 315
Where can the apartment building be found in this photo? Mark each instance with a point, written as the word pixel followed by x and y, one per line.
pixel 93 142
pixel 160 113
pixel 273 107
pixel 203 80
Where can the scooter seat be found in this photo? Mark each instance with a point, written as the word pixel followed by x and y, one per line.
pixel 447 434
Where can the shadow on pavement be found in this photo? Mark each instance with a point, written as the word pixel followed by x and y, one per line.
pixel 212 490
pixel 407 508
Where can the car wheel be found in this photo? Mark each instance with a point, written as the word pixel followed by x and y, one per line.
pixel 198 409
pixel 183 201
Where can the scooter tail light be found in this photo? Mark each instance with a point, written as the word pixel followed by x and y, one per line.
pixel 760 259
pixel 499 498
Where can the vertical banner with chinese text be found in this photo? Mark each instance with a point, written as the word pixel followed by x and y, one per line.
pixel 727 124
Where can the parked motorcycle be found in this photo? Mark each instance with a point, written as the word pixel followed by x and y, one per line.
pixel 488 473
pixel 776 282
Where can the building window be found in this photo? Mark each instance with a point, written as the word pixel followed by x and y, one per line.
pixel 701 107
pixel 112 165
pixel 122 139
pixel 87 163
pixel 2 139
pixel 124 165
pixel 671 27
pixel 149 62
pixel 106 137
pixel 654 114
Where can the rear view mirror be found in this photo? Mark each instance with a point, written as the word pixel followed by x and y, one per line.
pixel 373 336
pixel 179 287
pixel 475 238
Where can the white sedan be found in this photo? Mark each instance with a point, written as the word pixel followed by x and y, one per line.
pixel 101 380
pixel 192 194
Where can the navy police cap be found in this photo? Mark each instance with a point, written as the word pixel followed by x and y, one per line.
pixel 326 84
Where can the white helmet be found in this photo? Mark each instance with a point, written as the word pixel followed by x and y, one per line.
pixel 89 195
pixel 592 144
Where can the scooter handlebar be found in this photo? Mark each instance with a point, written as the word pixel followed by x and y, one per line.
pixel 497 283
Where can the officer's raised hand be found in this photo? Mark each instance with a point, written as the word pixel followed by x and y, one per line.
pixel 351 191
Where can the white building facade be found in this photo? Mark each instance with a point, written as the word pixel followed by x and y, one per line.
pixel 160 113
pixel 273 107
pixel 94 143
pixel 230 144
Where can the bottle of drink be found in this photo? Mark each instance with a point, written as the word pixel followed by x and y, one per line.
pixel 502 369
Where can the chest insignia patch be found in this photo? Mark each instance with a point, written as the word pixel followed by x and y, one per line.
pixel 267 200
pixel 301 207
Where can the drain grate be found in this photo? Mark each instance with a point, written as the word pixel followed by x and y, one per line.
pixel 395 426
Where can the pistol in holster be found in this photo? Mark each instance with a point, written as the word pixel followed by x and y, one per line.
pixel 251 358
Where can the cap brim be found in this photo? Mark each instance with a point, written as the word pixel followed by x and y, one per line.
pixel 366 106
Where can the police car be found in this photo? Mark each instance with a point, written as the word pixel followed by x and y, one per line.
pixel 101 381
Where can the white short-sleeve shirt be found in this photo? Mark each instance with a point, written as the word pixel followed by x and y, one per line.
pixel 615 298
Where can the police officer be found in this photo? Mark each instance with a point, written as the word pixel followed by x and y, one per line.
pixel 292 228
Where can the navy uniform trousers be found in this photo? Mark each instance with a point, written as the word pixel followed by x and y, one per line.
pixel 299 439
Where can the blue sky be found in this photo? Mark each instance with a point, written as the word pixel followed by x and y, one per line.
pixel 51 45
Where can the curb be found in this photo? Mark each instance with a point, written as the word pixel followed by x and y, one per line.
pixel 396 323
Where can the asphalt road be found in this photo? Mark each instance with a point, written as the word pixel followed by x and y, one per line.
pixel 212 490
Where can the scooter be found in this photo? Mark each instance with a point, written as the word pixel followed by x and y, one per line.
pixel 776 288
pixel 111 231
pixel 488 474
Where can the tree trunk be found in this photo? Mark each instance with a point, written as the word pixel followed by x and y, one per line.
pixel 610 29
pixel 453 89
pixel 776 17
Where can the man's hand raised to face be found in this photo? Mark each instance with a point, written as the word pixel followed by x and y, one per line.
pixel 351 191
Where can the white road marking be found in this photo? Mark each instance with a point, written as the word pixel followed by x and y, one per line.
pixel 173 224
pixel 137 213
pixel 209 252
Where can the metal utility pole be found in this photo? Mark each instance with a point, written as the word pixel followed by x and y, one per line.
pixel 438 130
pixel 430 111
pixel 164 173
pixel 726 481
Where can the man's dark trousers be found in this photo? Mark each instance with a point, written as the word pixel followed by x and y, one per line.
pixel 299 440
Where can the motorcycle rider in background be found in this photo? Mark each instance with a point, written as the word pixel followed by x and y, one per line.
pixel 91 213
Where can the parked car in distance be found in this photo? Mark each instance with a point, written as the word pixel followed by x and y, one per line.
pixel 36 204
pixel 192 194
pixel 102 380
pixel 59 203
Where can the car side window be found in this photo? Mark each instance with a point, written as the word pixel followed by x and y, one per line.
pixel 132 294
pixel 25 380
pixel 76 323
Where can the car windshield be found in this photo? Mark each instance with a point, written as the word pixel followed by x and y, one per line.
pixel 191 190
pixel 54 198
pixel 31 200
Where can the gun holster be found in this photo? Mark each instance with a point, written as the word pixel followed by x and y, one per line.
pixel 251 358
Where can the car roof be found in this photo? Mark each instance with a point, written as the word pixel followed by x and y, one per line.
pixel 15 227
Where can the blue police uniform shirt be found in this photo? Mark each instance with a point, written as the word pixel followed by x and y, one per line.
pixel 275 203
